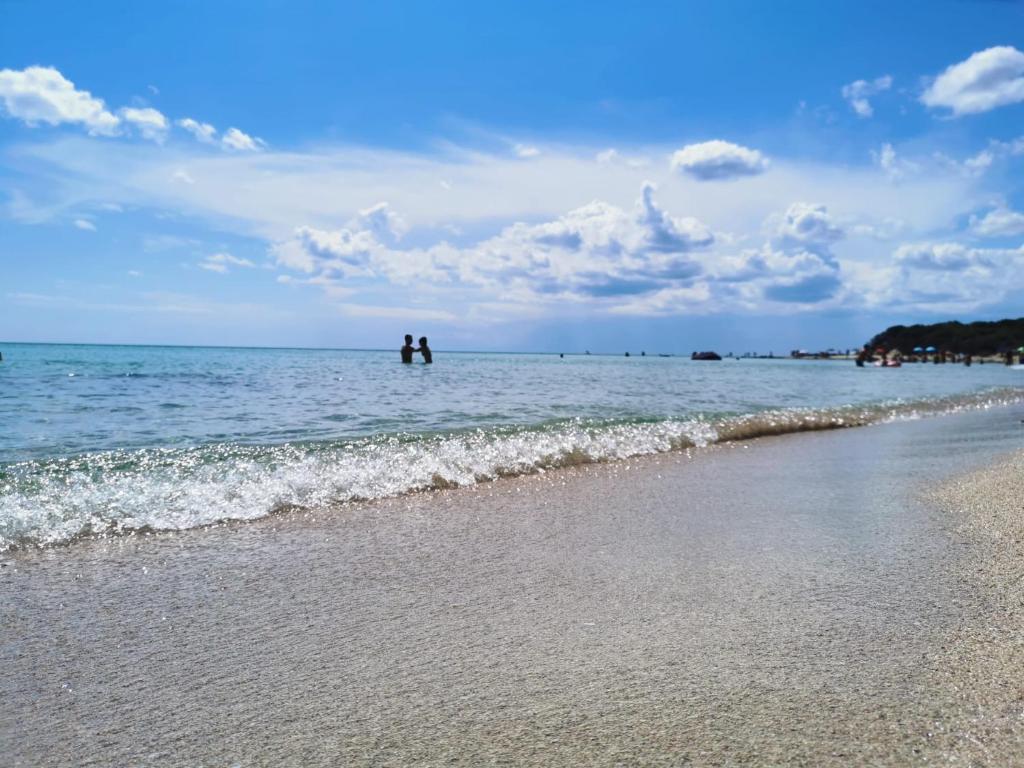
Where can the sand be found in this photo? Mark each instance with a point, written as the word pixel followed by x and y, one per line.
pixel 979 669
pixel 805 600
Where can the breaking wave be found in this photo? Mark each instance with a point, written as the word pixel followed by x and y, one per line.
pixel 54 501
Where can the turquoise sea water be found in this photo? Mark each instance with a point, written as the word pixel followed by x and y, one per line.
pixel 100 439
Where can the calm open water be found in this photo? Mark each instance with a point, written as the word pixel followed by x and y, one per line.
pixel 106 439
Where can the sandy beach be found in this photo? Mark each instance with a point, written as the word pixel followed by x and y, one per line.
pixel 839 598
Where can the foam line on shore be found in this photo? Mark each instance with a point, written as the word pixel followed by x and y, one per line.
pixel 47 502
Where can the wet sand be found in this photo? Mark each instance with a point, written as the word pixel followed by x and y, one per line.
pixel 807 600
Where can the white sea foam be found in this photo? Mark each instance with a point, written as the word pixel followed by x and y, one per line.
pixel 56 501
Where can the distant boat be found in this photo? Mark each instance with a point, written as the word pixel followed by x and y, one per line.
pixel 705 356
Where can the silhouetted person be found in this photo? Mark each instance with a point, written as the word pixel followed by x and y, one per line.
pixel 424 350
pixel 408 349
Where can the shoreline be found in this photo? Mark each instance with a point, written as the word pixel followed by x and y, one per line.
pixel 755 606
pixel 129 498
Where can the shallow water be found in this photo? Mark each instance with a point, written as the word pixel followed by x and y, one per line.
pixel 773 602
pixel 101 439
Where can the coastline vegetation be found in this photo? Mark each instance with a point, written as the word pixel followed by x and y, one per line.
pixel 977 338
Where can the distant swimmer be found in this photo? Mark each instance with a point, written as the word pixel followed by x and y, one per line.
pixel 408 349
pixel 424 350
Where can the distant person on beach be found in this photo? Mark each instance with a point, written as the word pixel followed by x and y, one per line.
pixel 424 350
pixel 408 349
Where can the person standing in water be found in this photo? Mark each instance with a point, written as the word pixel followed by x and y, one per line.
pixel 408 349
pixel 424 350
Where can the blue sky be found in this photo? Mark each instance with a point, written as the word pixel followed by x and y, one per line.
pixel 735 175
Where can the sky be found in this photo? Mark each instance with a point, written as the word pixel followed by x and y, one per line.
pixel 740 176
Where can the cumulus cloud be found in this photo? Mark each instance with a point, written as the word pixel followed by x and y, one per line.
pixel 239 141
pixel 203 132
pixel 858 92
pixel 999 222
pixel 950 276
pixel 808 225
pixel 595 252
pixel 150 123
pixel 717 159
pixel 383 222
pixel 222 262
pixel 942 257
pixel 797 266
pixel 43 95
pixel 985 80
pixel 643 262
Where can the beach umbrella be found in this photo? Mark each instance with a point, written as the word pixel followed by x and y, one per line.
pixel 929 349
pixel 918 349
pixel 1020 349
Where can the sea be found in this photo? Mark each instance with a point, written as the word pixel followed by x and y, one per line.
pixel 121 440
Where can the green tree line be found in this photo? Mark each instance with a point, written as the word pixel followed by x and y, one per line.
pixel 978 338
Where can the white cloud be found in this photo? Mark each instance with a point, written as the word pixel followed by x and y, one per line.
pixel 203 132
pixel 999 222
pixel 808 225
pixel 44 95
pixel 595 252
pixel 979 163
pixel 383 222
pixel 237 140
pixel 526 151
pixel 899 168
pixel 950 276
pixel 512 243
pixel 221 262
pixel 267 194
pixel 886 159
pixel 718 160
pixel 85 224
pixel 940 256
pixel 148 121
pixel 858 92
pixel 985 80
